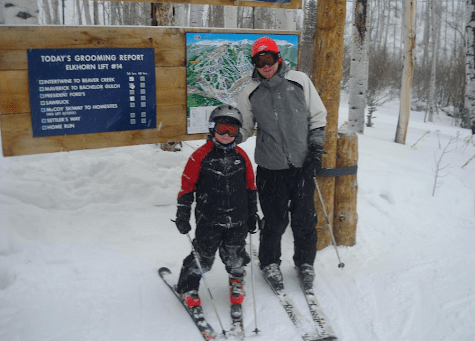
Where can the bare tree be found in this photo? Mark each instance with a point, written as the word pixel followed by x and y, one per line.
pixel 469 103
pixel 306 38
pixel 216 16
pixel 359 68
pixel 408 72
pixel 435 29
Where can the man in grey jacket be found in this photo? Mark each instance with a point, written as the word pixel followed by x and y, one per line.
pixel 291 122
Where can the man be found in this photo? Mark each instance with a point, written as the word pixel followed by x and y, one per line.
pixel 291 122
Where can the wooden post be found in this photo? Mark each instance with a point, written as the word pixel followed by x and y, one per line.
pixel 346 190
pixel 327 71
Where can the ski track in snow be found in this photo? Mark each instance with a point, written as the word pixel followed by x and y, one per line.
pixel 82 235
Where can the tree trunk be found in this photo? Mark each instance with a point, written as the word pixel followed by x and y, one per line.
pixel 162 14
pixel 307 36
pixel 263 18
pixel 469 112
pixel 327 71
pixel 18 12
pixel 47 11
pixel 245 17
pixel 230 16
pixel 359 68
pixel 216 16
pixel 408 71
pixel 56 16
pixel 95 10
pixel 114 13
pixel 87 12
pixel 78 12
pixel 433 70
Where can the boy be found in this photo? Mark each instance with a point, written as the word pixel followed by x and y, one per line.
pixel 221 177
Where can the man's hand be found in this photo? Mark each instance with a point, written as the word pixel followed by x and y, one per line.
pixel 313 161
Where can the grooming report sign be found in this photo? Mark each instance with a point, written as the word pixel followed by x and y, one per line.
pixel 82 91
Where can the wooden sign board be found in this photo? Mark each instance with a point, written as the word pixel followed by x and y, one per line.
pixel 169 51
pixel 286 4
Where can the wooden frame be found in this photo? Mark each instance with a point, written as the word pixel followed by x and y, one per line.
pixel 292 4
pixel 170 73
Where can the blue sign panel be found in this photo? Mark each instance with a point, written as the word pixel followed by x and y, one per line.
pixel 82 91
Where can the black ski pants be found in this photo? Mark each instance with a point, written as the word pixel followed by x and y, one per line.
pixel 230 241
pixel 282 192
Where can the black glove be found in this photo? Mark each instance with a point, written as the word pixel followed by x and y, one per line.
pixel 252 226
pixel 183 225
pixel 313 161
pixel 183 213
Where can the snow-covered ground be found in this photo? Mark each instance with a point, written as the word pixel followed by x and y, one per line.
pixel 82 235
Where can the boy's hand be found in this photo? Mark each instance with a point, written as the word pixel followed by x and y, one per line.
pixel 183 225
pixel 252 223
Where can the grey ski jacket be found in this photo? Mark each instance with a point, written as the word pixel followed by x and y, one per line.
pixel 288 112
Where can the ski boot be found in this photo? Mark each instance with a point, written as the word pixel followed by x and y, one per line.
pixel 193 302
pixel 273 276
pixel 236 295
pixel 306 274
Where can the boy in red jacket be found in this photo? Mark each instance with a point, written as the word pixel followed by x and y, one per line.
pixel 219 176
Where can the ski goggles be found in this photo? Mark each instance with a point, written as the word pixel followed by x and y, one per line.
pixel 266 58
pixel 230 129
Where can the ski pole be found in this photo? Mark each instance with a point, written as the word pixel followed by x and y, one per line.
pixel 253 286
pixel 340 265
pixel 195 254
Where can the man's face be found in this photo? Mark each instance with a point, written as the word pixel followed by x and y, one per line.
pixel 268 71
pixel 266 63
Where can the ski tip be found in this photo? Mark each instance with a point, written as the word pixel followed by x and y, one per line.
pixel 164 271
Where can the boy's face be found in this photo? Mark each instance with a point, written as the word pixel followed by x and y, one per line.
pixel 224 139
pixel 225 133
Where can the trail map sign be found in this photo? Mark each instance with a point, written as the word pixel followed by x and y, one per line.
pixel 219 67
pixel 66 88
pixel 81 91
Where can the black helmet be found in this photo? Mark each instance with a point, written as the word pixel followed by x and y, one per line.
pixel 224 113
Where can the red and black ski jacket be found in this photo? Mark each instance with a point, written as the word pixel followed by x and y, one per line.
pixel 224 183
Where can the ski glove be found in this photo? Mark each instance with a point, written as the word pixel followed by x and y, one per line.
pixel 252 226
pixel 183 225
pixel 182 221
pixel 313 161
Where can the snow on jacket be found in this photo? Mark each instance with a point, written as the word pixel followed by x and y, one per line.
pixel 224 183
pixel 286 108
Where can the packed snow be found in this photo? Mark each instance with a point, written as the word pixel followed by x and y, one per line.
pixel 83 233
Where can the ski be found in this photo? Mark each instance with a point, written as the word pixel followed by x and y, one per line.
pixel 320 321
pixel 306 332
pixel 237 325
pixel 196 313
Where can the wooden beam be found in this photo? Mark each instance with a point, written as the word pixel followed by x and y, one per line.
pixel 327 71
pixel 346 190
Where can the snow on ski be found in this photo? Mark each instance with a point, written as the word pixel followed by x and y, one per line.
pixel 196 313
pixel 237 325
pixel 306 332
pixel 324 329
